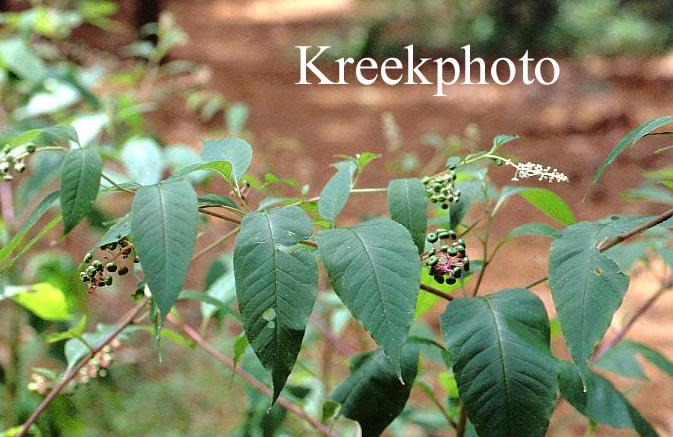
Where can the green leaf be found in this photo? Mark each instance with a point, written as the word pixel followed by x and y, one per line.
pixel 43 299
pixel 75 349
pixel 596 398
pixel 223 290
pixel 546 201
pixel 630 139
pixel 622 360
pixel 501 140
pixel 75 331
pixel 500 348
pixel 587 286
pixel 236 151
pixel 80 179
pixel 373 395
pixel 143 160
pixel 163 224
pixel 211 199
pixel 276 285
pixel 60 135
pixel 534 229
pixel 408 207
pixel 31 221
pixel 240 346
pixel 375 269
pixel 334 195
pixel 16 54
pixel 118 230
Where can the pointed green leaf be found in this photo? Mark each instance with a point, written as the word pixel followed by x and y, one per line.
pixel 236 151
pixel 80 179
pixel 373 394
pixel 596 398
pixel 163 224
pixel 622 360
pixel 18 55
pixel 334 195
pixel 375 270
pixel 546 201
pixel 39 211
pixel 505 372
pixel 408 207
pixel 276 285
pixel 587 286
pixel 630 139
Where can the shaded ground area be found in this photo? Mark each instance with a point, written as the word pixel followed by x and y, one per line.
pixel 571 125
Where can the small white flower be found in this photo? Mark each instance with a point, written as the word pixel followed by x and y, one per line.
pixel 530 169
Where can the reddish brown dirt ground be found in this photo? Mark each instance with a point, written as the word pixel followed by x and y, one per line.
pixel 571 125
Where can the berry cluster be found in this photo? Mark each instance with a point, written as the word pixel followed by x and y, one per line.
pixel 97 271
pixel 446 260
pixel 96 367
pixel 13 160
pixel 440 189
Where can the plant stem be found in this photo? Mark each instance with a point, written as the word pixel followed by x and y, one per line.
pixel 116 185
pixel 250 379
pixel 436 292
pixel 608 244
pixel 219 216
pixel 462 422
pixel 621 333
pixel 123 323
pixel 216 243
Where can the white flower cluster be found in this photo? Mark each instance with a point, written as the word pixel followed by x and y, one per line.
pixel 531 170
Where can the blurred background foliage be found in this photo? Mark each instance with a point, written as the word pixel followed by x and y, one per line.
pixel 50 75
pixel 510 27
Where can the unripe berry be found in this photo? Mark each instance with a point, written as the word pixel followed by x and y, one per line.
pixel 90 271
pixel 108 280
pixel 111 267
pixel 123 270
pixel 432 237
pixel 88 257
pixel 30 148
pixel 96 264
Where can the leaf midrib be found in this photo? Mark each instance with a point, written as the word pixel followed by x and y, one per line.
pixel 492 311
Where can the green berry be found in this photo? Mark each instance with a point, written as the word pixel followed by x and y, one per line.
pixel 443 234
pixel 433 260
pixel 426 180
pixel 111 267
pixel 30 148
pixel 432 237
pixel 122 270
pixel 452 251
pixel 90 271
pixel 20 167
pixel 452 235
pixel 457 272
pixel 96 264
pixel 88 257
pixel 445 206
pixel 460 242
pixel 444 248
pixel 439 279
pixel 108 280
pixel 466 265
